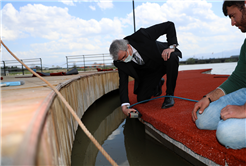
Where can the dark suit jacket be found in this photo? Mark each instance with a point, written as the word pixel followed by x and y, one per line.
pixel 144 41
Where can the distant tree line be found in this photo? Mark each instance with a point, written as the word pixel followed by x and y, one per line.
pixel 211 60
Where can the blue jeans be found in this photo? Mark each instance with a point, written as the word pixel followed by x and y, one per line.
pixel 231 132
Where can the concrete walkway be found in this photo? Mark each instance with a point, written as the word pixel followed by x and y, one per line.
pixel 18 105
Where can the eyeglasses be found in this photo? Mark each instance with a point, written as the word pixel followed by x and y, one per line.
pixel 123 57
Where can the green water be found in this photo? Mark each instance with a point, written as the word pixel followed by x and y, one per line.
pixel 122 138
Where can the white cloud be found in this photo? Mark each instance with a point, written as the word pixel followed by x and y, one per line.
pixel 68 2
pixel 105 4
pixel 10 34
pixel 92 7
pixel 64 34
pixel 51 23
pixel 198 28
pixel 114 134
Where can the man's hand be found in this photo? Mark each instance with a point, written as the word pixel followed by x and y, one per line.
pixel 166 53
pixel 233 111
pixel 127 111
pixel 202 104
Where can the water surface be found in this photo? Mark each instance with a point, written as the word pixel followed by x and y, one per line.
pixel 122 138
pixel 217 68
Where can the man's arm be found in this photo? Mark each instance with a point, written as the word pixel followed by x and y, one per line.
pixel 123 81
pixel 124 93
pixel 205 101
pixel 237 79
pixel 123 88
pixel 168 28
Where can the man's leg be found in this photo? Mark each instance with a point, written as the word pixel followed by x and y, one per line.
pixel 232 132
pixel 210 118
pixel 148 84
pixel 158 88
pixel 172 65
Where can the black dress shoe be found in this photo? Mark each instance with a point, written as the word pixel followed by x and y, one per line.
pixel 168 102
pixel 158 90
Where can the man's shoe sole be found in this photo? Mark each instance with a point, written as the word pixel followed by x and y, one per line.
pixel 164 107
pixel 158 94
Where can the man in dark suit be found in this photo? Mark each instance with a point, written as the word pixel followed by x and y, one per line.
pixel 147 60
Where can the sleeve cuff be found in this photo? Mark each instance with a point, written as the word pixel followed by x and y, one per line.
pixel 128 104
pixel 222 90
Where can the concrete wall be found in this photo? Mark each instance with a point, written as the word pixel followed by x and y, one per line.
pixel 50 136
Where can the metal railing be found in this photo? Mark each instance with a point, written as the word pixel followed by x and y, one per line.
pixel 82 62
pixel 13 66
pixel 89 61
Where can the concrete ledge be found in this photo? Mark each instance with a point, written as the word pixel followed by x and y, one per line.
pixel 177 147
pixel 49 137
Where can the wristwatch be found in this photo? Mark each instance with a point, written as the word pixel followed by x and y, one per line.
pixel 172 46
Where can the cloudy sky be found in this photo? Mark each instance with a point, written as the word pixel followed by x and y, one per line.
pixel 52 30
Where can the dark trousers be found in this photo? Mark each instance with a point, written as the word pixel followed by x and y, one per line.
pixel 150 80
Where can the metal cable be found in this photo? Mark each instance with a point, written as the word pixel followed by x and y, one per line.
pixel 162 97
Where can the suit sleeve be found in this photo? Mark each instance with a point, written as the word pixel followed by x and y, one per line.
pixel 155 31
pixel 123 87
pixel 123 84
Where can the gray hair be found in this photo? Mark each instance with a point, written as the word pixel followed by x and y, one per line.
pixel 116 46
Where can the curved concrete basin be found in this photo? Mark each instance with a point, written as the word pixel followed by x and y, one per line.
pixel 51 132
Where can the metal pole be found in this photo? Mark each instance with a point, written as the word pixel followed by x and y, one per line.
pixel 4 68
pixel 22 68
pixel 41 65
pixel 133 11
pixel 84 61
pixel 103 62
pixel 67 62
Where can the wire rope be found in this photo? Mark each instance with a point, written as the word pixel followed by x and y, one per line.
pixel 162 97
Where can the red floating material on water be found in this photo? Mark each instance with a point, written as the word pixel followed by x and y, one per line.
pixel 58 74
pixel 176 122
pixel 98 69
pixel 50 74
